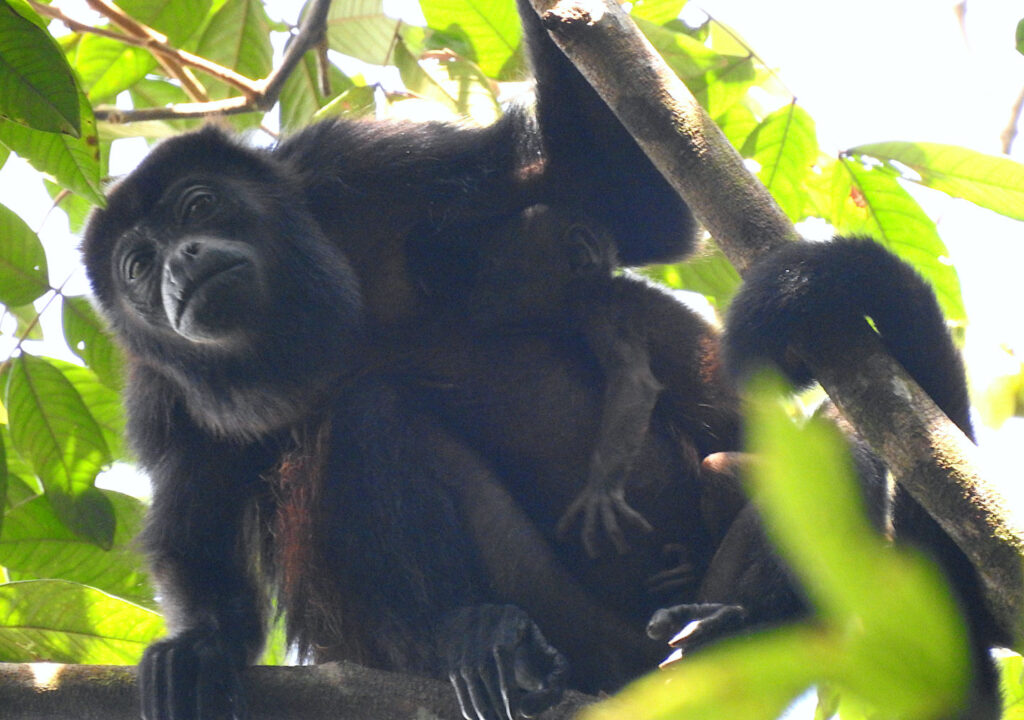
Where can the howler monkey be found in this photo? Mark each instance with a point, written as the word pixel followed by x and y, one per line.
pixel 312 423
pixel 550 270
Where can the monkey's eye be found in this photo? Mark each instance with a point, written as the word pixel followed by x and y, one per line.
pixel 136 264
pixel 196 203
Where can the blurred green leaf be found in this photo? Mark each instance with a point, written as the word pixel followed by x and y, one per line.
pixel 753 678
pixel 1011 685
pixel 884 603
pixel 991 181
pixel 52 428
pixel 37 87
pixel 60 621
pixel 23 273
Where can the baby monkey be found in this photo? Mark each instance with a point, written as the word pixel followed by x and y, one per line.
pixel 551 271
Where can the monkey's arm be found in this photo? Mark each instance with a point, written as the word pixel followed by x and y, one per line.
pixel 216 616
pixel 595 165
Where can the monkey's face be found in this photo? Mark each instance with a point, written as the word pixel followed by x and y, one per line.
pixel 207 251
pixel 194 265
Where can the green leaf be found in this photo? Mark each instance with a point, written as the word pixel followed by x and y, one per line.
pixel 458 84
pixel 1011 685
pixel 1019 37
pixel 23 272
pixel 35 544
pixel 104 404
pixel 73 162
pixel 991 181
pixel 61 621
pixel 5 482
pixel 106 67
pixel 658 12
pixel 737 123
pixel 813 510
pixel 785 145
pixel 491 26
pixel 357 101
pixel 86 334
pixel 52 428
pixel 37 87
pixel 29 326
pixel 742 679
pixel 709 273
pixel 237 37
pixel 301 97
pixel 360 29
pixel 868 200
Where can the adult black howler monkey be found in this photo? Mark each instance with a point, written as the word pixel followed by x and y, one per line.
pixel 248 288
pixel 312 423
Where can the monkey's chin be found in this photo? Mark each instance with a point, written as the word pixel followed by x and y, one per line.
pixel 217 309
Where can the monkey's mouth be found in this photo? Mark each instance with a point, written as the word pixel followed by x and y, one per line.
pixel 205 303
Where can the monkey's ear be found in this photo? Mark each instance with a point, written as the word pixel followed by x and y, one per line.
pixel 582 249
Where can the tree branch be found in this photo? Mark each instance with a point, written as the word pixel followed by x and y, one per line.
pixel 256 94
pixel 332 691
pixel 922 448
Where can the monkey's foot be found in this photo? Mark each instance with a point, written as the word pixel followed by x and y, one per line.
pixel 687 627
pixel 602 509
pixel 500 664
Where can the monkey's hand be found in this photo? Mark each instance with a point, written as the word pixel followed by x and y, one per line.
pixel 500 664
pixel 602 508
pixel 687 627
pixel 192 676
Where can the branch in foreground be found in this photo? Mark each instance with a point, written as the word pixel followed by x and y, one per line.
pixel 333 691
pixel 922 448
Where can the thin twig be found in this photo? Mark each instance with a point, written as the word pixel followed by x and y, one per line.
pixel 1009 133
pixel 169 62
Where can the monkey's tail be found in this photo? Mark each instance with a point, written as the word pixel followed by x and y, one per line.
pixel 809 289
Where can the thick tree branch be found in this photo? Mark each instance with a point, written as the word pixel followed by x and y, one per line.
pixel 924 450
pixel 333 691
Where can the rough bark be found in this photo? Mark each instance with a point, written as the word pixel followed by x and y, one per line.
pixel 333 691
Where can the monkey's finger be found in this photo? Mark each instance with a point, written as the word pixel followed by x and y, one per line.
pixel 631 517
pixel 509 691
pixel 568 518
pixel 462 695
pixel 479 695
pixel 154 682
pixel 180 679
pixel 610 521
